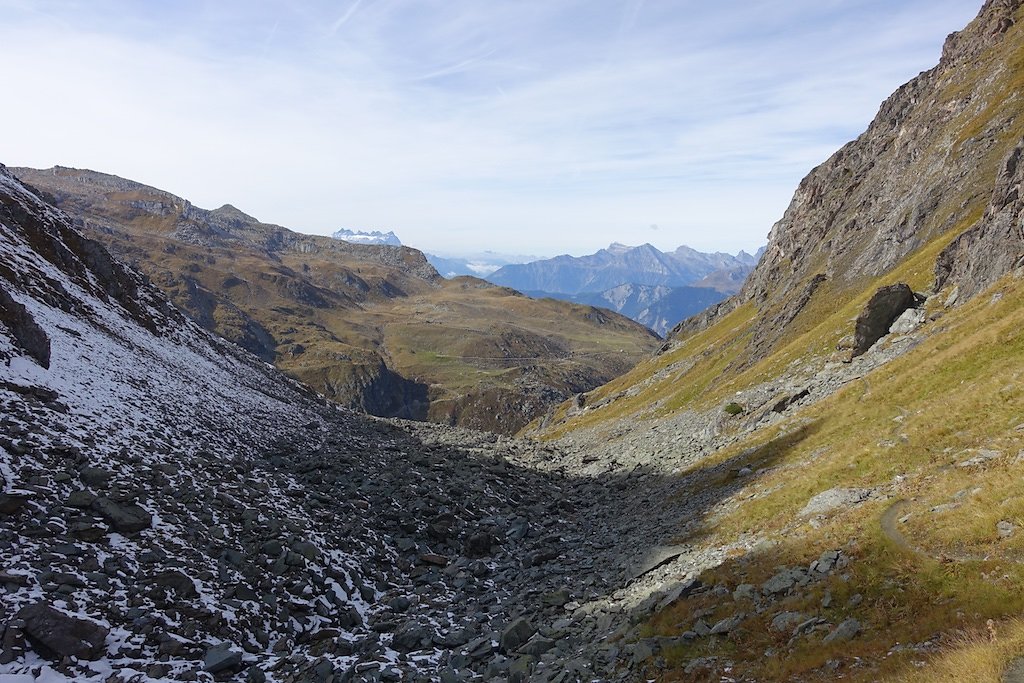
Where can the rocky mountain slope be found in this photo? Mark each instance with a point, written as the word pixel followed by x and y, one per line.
pixel 366 325
pixel 854 414
pixel 172 508
pixel 924 170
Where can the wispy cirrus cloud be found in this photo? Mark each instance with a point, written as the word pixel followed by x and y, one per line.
pixel 540 126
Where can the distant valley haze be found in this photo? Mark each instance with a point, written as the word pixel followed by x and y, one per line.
pixel 532 127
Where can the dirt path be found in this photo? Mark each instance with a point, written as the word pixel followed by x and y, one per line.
pixel 890 520
pixel 890 527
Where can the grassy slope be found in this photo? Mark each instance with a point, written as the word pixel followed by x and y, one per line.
pixel 905 428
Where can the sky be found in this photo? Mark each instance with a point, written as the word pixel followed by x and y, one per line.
pixel 520 126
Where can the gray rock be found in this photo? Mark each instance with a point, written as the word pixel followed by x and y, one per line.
pixel 783 581
pixel 411 636
pixel 516 635
pixel 701 628
pixel 909 320
pixel 12 502
pixel 728 624
pixel 640 652
pixel 174 580
pixel 538 646
pixel 221 658
pixel 983 456
pixel 557 598
pixel 881 311
pixel 80 499
pixel 833 499
pixel 785 622
pixel 54 634
pixel 479 545
pixel 845 631
pixel 95 476
pixel 1005 529
pixel 125 518
pixel 826 562
pixel 745 591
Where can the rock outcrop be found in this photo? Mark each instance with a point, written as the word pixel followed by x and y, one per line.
pixel 995 245
pixel 881 311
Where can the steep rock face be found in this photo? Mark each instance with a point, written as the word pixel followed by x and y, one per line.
pixel 912 175
pixel 995 245
pixel 925 168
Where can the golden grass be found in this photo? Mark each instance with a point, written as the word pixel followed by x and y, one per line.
pixel 978 656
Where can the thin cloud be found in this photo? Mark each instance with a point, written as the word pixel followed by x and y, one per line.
pixel 343 19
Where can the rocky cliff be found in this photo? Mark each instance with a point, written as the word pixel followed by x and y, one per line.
pixel 937 162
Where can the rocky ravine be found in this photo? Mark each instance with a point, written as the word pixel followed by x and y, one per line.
pixel 171 507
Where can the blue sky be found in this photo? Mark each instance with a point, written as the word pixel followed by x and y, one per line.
pixel 523 126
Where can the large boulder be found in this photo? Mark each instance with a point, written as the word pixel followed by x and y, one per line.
pixel 125 518
pixel 885 306
pixel 411 636
pixel 221 658
pixel 55 635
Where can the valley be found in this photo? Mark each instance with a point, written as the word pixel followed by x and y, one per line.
pixel 816 478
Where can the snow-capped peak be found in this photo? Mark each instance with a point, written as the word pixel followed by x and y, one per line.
pixel 367 237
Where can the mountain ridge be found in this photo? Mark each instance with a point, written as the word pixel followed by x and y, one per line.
pixel 359 323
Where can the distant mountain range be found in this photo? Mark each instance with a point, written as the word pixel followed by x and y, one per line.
pixel 655 288
pixel 618 264
pixel 371 237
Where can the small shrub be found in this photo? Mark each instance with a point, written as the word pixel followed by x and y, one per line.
pixel 733 409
